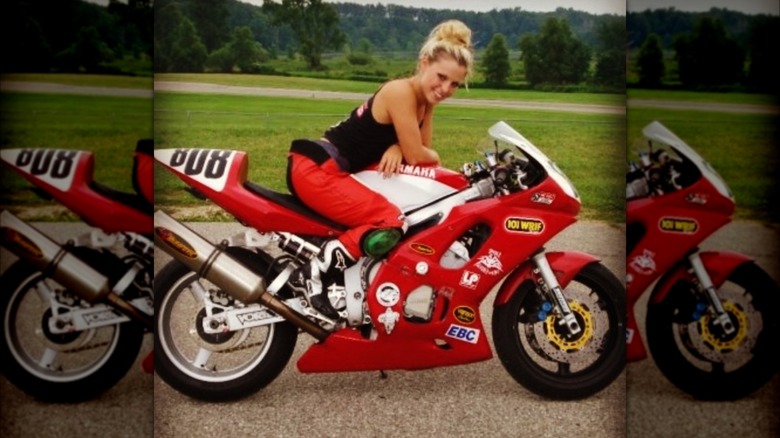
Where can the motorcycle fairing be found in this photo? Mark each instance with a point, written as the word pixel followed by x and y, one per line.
pixel 67 175
pixel 445 339
pixel 719 265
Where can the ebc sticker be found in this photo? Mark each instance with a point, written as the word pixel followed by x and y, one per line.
pixel 464 314
pixel 524 225
pixel 465 334
pixel 174 241
pixel 209 167
pixel 55 167
pixel 678 225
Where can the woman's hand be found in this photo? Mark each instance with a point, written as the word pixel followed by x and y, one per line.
pixel 391 161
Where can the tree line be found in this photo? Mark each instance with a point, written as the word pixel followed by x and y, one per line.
pixel 77 36
pixel 719 50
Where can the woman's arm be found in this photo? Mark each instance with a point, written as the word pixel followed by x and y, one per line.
pixel 396 103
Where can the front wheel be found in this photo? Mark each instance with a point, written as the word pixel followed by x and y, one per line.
pixel 543 357
pixel 697 356
pixel 212 367
pixel 58 367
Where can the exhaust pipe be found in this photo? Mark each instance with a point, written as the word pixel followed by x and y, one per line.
pixel 214 264
pixel 57 263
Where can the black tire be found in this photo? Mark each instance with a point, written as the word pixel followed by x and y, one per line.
pixel 82 365
pixel 235 369
pixel 546 363
pixel 696 358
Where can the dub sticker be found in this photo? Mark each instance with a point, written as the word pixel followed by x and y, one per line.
pixel 466 334
pixel 464 314
pixel 678 225
pixel 422 248
pixel 523 225
pixel 176 242
pixel 543 198
pixel 14 239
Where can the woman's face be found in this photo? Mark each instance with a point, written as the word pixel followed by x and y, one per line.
pixel 439 78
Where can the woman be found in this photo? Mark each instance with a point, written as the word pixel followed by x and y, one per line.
pixel 395 125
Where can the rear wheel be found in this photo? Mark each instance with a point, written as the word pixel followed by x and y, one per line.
pixel 543 358
pixel 212 367
pixel 58 367
pixel 697 356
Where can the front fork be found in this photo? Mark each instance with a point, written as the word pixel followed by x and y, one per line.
pixel 705 285
pixel 553 289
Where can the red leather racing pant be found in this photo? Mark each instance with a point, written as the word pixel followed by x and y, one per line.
pixel 333 193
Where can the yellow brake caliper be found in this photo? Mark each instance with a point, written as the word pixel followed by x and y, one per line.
pixel 575 344
pixel 733 342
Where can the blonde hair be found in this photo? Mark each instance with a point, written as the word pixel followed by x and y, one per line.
pixel 452 37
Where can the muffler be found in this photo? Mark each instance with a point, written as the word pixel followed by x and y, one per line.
pixel 56 262
pixel 212 263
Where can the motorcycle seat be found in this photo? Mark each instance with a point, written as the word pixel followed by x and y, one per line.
pixel 292 203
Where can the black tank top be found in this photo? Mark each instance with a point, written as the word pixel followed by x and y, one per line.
pixel 360 139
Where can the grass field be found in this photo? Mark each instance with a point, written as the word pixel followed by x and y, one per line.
pixel 589 148
pixel 107 126
pixel 741 147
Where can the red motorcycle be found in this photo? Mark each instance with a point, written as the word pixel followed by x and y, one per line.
pixel 709 324
pixel 227 323
pixel 74 315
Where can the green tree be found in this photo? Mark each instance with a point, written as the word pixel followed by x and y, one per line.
pixel 246 50
pixel 495 62
pixel 709 57
pixel 763 71
pixel 314 23
pixel 611 57
pixel 86 54
pixel 189 53
pixel 554 56
pixel 650 62
pixel 210 18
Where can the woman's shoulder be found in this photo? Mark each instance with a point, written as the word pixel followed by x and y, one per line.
pixel 396 89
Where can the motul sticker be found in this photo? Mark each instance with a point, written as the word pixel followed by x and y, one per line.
pixel 490 263
pixel 466 334
pixel 678 225
pixel 524 225
pixel 422 248
pixel 174 241
pixel 464 314
pixel 16 241
pixel 543 198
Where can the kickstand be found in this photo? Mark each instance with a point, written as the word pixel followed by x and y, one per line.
pixel 382 374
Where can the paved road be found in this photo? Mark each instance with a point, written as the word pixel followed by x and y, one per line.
pixel 470 400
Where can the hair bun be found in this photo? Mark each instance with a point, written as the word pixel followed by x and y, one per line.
pixel 453 31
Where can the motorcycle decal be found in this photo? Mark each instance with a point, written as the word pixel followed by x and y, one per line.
pixel 55 167
pixel 491 263
pixel 543 198
pixel 466 334
pixel 252 316
pixel 99 316
pixel 697 198
pixel 11 238
pixel 389 318
pixel 209 167
pixel 644 263
pixel 425 172
pixel 629 335
pixel 678 225
pixel 422 248
pixel 388 294
pixel 469 279
pixel 524 225
pixel 176 242
pixel 465 314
